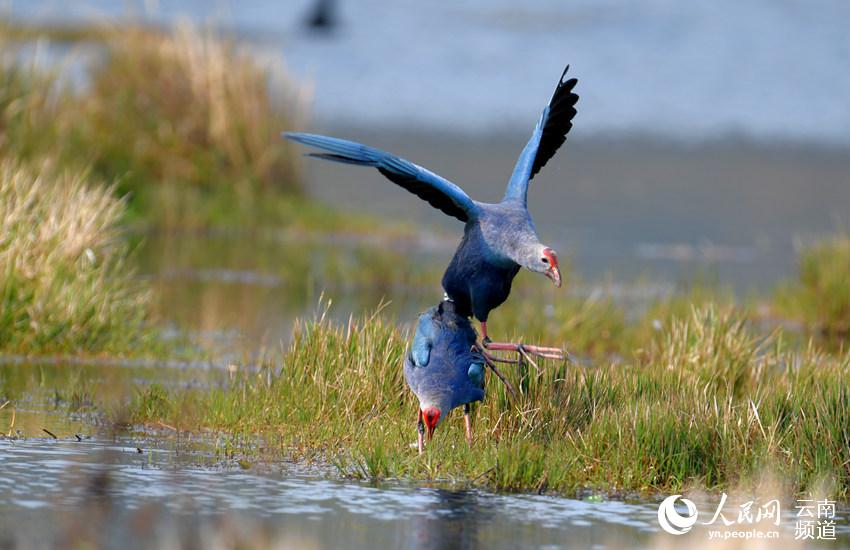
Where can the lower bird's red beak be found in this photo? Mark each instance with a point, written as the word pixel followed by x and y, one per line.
pixel 431 417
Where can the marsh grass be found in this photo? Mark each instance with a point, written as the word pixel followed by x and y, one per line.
pixel 187 125
pixel 186 121
pixel 32 104
pixel 19 31
pixel 198 112
pixel 65 284
pixel 709 404
pixel 821 295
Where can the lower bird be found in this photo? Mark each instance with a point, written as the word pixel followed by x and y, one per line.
pixel 499 238
pixel 444 368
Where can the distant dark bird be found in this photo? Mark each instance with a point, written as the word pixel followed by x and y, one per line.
pixel 499 238
pixel 323 16
pixel 443 368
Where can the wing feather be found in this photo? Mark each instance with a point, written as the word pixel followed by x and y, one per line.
pixel 435 190
pixel 549 134
pixel 423 340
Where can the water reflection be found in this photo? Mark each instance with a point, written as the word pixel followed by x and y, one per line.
pixel 159 495
pixel 152 493
pixel 452 519
pixel 236 291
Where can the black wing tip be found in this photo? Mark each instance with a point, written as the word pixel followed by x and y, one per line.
pixel 559 121
pixel 563 74
pixel 565 89
pixel 571 82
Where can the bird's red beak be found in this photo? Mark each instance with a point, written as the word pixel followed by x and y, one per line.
pixel 553 272
pixel 431 416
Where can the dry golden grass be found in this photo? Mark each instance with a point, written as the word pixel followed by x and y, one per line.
pixel 64 284
pixel 198 109
pixel 186 122
pixel 32 106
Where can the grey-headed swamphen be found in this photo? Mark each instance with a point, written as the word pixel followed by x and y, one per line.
pixel 499 238
pixel 444 368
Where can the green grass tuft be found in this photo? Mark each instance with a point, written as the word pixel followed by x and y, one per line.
pixel 64 281
pixel 708 404
pixel 198 112
pixel 821 295
pixel 185 121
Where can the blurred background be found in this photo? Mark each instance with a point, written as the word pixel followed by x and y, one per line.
pixel 711 138
pixel 711 150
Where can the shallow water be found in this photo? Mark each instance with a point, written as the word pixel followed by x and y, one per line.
pixel 764 69
pixel 658 179
pixel 626 206
pixel 104 490
pixel 78 478
pixel 619 213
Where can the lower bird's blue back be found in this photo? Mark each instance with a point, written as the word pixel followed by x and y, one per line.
pixel 442 367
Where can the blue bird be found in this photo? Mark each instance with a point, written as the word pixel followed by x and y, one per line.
pixel 443 368
pixel 498 239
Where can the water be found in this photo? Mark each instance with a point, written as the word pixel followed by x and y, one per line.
pixel 764 69
pixel 708 144
pixel 637 192
pixel 301 508
pixel 91 482
pixel 105 491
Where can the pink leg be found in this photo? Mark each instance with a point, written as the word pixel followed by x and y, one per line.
pixel 421 430
pixel 467 422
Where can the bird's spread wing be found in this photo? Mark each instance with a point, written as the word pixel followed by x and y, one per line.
pixel 437 191
pixel 549 134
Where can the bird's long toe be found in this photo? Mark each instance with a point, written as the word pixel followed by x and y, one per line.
pixel 540 351
pixel 545 352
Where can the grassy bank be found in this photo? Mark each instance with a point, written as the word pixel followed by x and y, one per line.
pixel 185 121
pixel 706 404
pixel 685 392
pixel 65 285
pixel 820 297
pixel 202 123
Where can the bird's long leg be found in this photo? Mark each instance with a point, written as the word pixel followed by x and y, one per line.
pixel 491 361
pixel 484 338
pixel 421 429
pixel 467 409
